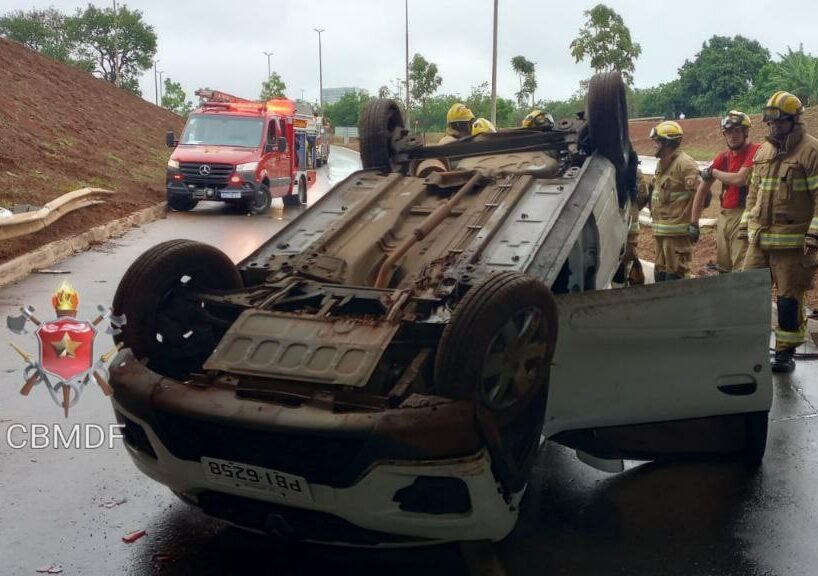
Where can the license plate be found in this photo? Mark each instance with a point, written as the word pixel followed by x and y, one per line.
pixel 237 475
pixel 231 194
pixel 198 194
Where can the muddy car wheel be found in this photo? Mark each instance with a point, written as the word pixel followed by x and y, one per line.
pixel 381 123
pixel 182 204
pixel 607 112
pixel 163 325
pixel 496 351
pixel 261 200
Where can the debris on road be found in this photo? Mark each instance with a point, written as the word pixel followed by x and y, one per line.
pixel 50 569
pixel 113 503
pixel 133 536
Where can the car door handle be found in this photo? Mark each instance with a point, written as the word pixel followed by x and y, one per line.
pixel 737 384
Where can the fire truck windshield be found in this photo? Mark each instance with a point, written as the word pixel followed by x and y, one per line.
pixel 241 131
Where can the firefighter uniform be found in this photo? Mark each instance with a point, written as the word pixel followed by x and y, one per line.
pixel 781 218
pixel 671 205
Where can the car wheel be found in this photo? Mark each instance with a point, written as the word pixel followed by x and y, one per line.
pixel 171 330
pixel 755 444
pixel 302 191
pixel 381 123
pixel 607 112
pixel 496 352
pixel 182 204
pixel 261 200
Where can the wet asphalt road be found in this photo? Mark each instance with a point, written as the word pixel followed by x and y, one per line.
pixel 681 519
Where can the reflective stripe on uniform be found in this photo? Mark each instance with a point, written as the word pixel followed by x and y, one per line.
pixel 789 338
pixel 773 240
pixel 813 226
pixel 662 229
pixel 745 216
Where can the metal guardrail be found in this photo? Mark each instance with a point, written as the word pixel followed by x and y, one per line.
pixel 30 222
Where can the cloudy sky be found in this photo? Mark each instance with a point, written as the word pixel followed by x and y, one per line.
pixel 221 44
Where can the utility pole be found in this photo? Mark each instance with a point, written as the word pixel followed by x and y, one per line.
pixel 320 74
pixel 269 70
pixel 160 86
pixel 302 94
pixel 155 82
pixel 494 70
pixel 408 124
pixel 115 66
pixel 398 84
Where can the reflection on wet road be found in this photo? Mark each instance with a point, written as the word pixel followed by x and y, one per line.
pixel 72 507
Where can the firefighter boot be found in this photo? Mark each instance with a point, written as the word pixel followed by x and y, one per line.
pixel 783 362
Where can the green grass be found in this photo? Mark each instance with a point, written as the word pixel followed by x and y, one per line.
pixel 65 142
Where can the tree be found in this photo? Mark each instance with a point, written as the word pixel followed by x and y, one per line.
pixel 607 42
pixel 175 99
pixel 423 79
pixel 40 30
pixel 383 91
pixel 273 87
pixel 347 110
pixel 723 70
pixel 797 73
pixel 525 70
pixel 118 45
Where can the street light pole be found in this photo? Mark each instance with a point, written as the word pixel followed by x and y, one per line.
pixel 155 82
pixel 320 74
pixel 269 70
pixel 406 5
pixel 160 86
pixel 494 70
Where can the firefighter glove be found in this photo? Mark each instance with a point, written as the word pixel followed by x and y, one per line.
pixel 693 232
pixel 706 173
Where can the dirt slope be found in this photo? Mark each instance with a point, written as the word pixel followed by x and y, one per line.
pixel 62 129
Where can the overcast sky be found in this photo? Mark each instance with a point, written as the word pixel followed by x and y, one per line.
pixel 221 44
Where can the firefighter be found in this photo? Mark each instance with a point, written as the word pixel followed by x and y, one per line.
pixel 538 119
pixel 677 177
pixel 732 168
pixel 782 218
pixel 459 120
pixel 482 126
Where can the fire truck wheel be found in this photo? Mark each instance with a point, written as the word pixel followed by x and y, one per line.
pixel 380 125
pixel 607 112
pixel 182 204
pixel 164 324
pixel 261 201
pixel 496 352
pixel 302 191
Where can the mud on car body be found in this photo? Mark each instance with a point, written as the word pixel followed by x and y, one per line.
pixel 384 370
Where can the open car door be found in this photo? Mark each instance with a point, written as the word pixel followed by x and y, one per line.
pixel 663 370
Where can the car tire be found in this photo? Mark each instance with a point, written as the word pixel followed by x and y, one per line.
pixel 302 192
pixel 496 351
pixel 607 113
pixel 755 430
pixel 261 201
pixel 161 326
pixel 181 204
pixel 380 124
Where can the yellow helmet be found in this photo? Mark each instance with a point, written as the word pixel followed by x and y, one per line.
pixel 667 130
pixel 537 118
pixel 481 125
pixel 782 104
pixel 459 112
pixel 735 119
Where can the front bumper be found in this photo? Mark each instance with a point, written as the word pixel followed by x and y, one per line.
pixel 181 189
pixel 392 478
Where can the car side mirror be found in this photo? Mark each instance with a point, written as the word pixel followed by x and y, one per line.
pixel 282 144
pixel 170 139
pixel 268 148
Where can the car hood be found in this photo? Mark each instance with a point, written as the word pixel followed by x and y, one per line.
pixel 215 154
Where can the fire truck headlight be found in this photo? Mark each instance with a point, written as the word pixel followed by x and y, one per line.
pixel 173 164
pixel 249 167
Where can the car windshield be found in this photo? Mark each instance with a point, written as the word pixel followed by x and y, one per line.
pixel 239 131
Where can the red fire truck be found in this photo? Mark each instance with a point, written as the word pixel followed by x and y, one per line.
pixel 239 151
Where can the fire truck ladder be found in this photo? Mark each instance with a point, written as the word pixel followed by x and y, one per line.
pixel 206 95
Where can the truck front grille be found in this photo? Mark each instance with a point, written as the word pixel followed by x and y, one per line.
pixel 196 173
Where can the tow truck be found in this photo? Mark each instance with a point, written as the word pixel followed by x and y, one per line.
pixel 239 151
